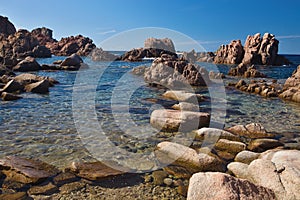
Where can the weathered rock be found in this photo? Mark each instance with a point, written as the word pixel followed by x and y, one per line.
pixel 245 71
pixel 186 106
pixel 25 170
pixel 180 95
pixel 277 170
pixel 47 189
pixel 253 130
pixel 203 133
pixel 179 172
pixel 193 56
pixel 230 146
pixel 70 187
pixel 140 70
pixel 41 87
pixel 6 27
pixel 137 55
pixel 292 87
pixel 26 65
pixel 64 178
pixel 159 176
pixel 98 54
pixel 9 97
pixel 12 86
pixel 216 75
pixel 180 155
pixel 230 54
pixel 27 78
pixel 41 52
pixel 94 170
pixel 15 196
pixel 43 35
pixel 5 71
pixel 170 72
pixel 175 120
pixel 246 157
pixel 164 44
pixel 80 45
pixel 214 185
pixel 261 145
pixel 238 169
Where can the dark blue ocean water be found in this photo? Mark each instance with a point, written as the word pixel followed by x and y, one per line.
pixel 43 125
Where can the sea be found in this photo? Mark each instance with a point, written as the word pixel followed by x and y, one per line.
pixel 47 127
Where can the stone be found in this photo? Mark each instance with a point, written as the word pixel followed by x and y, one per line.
pixel 261 145
pixel 168 181
pixel 183 96
pixel 140 70
pixel 71 187
pixel 26 78
pixel 158 177
pixel 94 170
pixel 26 65
pixel 64 178
pixel 6 27
pixel 41 52
pixel 178 171
pixel 47 189
pixel 253 130
pixel 137 55
pixel 214 75
pixel 291 87
pixel 43 35
pixel 73 60
pixel 185 106
pixel 238 169
pixel 244 71
pixel 164 44
pixel 205 133
pixel 177 154
pixel 230 146
pixel 41 87
pixel 25 170
pixel 215 185
pixel 98 54
pixel 175 120
pixel 15 196
pixel 12 86
pixel 175 74
pixel 230 54
pixel 9 97
pixel 5 71
pixel 246 157
pixel 79 44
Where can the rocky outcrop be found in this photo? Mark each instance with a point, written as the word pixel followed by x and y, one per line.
pixel 137 55
pixel 261 87
pixel 277 170
pixel 79 44
pixel 163 44
pixel 43 35
pixel 257 50
pixel 194 56
pixel 244 71
pixel 291 87
pixel 171 72
pixel 6 27
pixel 98 54
pixel 230 54
pixel 215 185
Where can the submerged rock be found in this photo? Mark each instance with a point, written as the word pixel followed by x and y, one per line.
pixel 180 95
pixel 9 97
pixel 215 185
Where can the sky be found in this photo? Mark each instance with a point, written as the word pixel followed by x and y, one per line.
pixel 210 23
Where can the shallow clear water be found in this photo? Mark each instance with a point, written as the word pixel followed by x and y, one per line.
pixel 42 126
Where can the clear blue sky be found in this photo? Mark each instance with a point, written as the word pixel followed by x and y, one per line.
pixel 211 22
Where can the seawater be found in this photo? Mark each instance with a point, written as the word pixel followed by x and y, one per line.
pixel 42 126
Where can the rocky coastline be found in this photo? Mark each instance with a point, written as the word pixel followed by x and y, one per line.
pixel 245 162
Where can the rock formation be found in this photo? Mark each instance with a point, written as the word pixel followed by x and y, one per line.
pixel 43 35
pixel 244 71
pixel 98 54
pixel 163 44
pixel 292 87
pixel 230 54
pixel 6 27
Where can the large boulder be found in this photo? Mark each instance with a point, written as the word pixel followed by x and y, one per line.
pixel 176 120
pixel 26 65
pixel 253 130
pixel 164 44
pixel 171 72
pixel 230 54
pixel 215 185
pixel 245 71
pixel 184 96
pixel 25 79
pixel 291 87
pixel 13 86
pixel 41 52
pixel 6 27
pixel 72 62
pixel 179 155
pixel 9 97
pixel 79 44
pixel 137 55
pixel 41 87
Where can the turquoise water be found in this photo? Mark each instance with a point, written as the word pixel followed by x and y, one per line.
pixel 42 126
